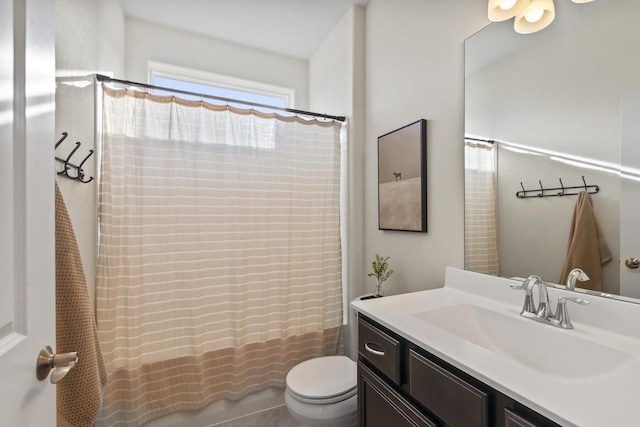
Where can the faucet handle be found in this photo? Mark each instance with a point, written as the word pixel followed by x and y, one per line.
pixel 528 283
pixel 561 318
pixel 529 306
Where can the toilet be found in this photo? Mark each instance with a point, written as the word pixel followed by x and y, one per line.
pixel 322 392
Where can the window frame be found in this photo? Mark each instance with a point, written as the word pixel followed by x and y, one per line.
pixel 190 75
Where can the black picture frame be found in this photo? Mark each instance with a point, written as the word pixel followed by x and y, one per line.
pixel 402 178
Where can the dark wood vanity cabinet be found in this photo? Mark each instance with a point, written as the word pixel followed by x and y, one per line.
pixel 379 405
pixel 401 384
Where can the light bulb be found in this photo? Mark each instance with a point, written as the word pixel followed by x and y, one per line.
pixel 534 16
pixel 507 4
pixel 501 10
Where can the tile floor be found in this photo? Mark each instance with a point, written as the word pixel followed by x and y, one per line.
pixel 276 417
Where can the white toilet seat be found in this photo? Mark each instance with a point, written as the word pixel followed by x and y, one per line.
pixel 323 379
pixel 323 401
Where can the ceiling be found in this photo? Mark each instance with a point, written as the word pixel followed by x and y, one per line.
pixel 293 28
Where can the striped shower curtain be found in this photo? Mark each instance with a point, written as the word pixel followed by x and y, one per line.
pixel 480 228
pixel 219 263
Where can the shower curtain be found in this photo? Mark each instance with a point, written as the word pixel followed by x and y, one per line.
pixel 219 263
pixel 480 230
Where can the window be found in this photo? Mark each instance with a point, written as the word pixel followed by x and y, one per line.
pixel 205 83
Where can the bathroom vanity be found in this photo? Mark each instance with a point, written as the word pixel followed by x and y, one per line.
pixel 401 384
pixel 462 356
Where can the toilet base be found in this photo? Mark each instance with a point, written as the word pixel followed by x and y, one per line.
pixel 338 414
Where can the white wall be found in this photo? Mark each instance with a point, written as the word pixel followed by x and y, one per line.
pixel 415 69
pixel 336 86
pixel 150 42
pixel 111 37
pixel 89 37
pixel 75 114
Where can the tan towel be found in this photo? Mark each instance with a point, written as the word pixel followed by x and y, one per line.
pixel 79 394
pixel 587 248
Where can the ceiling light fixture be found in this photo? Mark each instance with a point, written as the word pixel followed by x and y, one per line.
pixel 501 10
pixel 530 15
pixel 537 15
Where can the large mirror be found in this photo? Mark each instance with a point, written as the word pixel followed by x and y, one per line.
pixel 545 112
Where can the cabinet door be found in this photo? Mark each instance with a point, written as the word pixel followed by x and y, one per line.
pixel 514 420
pixel 381 406
pixel 448 397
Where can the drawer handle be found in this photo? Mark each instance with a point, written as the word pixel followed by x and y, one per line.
pixel 373 350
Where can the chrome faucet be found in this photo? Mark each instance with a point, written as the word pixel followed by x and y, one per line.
pixel 575 275
pixel 543 313
pixel 529 309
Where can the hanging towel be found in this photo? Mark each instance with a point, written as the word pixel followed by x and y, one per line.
pixel 587 248
pixel 79 393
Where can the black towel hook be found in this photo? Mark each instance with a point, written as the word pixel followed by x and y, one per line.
pixel 524 192
pixel 67 162
pixel 562 187
pixel 81 171
pixel 64 136
pixel 68 166
pixel 541 189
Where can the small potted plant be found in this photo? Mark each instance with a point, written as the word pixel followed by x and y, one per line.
pixel 381 271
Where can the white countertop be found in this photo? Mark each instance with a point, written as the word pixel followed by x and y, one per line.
pixel 605 397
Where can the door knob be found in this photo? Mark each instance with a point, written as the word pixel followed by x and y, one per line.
pixel 632 263
pixel 58 364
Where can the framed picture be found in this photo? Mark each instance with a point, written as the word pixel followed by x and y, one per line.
pixel 402 178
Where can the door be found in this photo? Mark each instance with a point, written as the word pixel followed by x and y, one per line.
pixel 27 279
pixel 630 195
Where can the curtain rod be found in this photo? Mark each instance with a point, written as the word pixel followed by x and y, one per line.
pixel 488 141
pixel 103 78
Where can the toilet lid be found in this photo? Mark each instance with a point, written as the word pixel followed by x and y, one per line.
pixel 323 378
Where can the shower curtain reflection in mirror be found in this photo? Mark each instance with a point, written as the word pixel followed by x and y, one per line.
pixel 481 240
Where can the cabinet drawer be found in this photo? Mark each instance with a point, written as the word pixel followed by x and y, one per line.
pixel 379 405
pixel 380 349
pixel 450 398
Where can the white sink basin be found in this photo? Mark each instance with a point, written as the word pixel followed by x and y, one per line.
pixel 536 345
